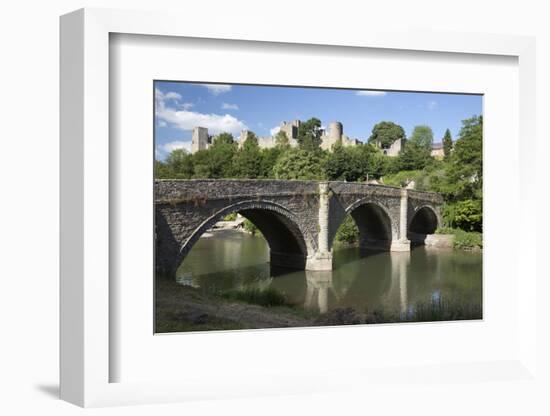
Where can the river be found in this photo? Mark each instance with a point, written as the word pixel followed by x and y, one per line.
pixel 363 280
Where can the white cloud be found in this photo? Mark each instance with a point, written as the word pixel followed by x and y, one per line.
pixel 275 130
pixel 181 118
pixel 175 145
pixel 166 96
pixel 369 93
pixel 217 89
pixel 186 106
pixel 227 106
pixel 162 123
pixel 432 105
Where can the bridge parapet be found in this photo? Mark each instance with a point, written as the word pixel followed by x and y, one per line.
pixel 174 191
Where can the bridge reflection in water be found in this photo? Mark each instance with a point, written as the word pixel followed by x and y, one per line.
pixel 362 279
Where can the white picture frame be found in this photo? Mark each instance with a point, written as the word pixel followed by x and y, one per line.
pixel 85 208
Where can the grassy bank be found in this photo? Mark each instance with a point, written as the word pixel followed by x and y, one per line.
pixel 466 240
pixel 182 308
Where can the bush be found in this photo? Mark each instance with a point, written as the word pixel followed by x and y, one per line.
pixel 463 239
pixel 467 215
pixel 250 227
pixel 468 240
pixel 230 217
pixel 348 232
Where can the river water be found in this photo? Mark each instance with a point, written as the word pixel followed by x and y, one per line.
pixel 363 280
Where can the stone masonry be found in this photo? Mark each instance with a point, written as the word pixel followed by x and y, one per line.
pixel 299 219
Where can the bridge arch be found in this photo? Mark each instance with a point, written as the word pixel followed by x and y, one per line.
pixel 288 242
pixel 423 221
pixel 374 221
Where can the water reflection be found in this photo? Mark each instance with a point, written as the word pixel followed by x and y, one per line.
pixel 364 280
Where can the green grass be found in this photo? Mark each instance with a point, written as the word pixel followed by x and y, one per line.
pixel 463 239
pixel 436 310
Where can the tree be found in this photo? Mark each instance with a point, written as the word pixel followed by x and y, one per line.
pixel 281 140
pixel 223 138
pixel 414 156
pixel 309 134
pixel 385 133
pixel 179 164
pixel 247 162
pixel 342 166
pixel 465 172
pixel 447 144
pixel 423 136
pixel 301 164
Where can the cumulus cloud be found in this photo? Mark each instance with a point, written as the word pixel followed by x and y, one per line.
pixel 217 89
pixel 227 106
pixel 173 97
pixel 175 145
pixel 275 130
pixel 181 118
pixel 369 93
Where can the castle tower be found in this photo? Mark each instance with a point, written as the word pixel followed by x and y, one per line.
pixel 336 130
pixel 199 139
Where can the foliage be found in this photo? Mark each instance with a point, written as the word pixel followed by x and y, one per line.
pixel 355 163
pixel 466 214
pixel 385 133
pixel 414 156
pixel 247 161
pixel 301 164
pixel 250 227
pixel 281 140
pixel 463 239
pixel 348 232
pixel 223 138
pixel 230 217
pixel 309 134
pixel 423 136
pixel 447 144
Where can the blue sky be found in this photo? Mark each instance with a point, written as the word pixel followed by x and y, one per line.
pixel 180 106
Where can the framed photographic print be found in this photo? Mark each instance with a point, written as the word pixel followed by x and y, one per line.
pixel 243 216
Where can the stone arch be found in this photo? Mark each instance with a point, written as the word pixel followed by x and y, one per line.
pixel 424 221
pixel 374 221
pixel 289 244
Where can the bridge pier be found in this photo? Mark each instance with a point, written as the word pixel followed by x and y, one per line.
pixel 402 243
pixel 322 258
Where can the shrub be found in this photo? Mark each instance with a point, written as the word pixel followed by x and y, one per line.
pixel 348 231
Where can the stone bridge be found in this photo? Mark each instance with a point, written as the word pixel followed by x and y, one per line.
pixel 299 219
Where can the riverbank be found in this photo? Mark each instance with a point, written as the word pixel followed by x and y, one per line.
pixel 184 308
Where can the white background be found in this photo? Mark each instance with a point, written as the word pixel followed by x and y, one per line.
pixel 29 225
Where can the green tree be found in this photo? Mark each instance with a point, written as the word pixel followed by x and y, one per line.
pixel 447 144
pixel 179 164
pixel 301 164
pixel 309 134
pixel 223 138
pixel 423 136
pixel 247 161
pixel 385 133
pixel 414 156
pixel 216 161
pixel 281 140
pixel 465 170
pixel 268 159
